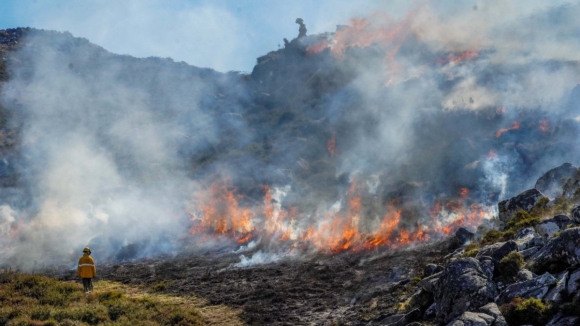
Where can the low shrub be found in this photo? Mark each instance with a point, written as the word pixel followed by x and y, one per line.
pixel 530 311
pixel 493 236
pixel 510 265
pixel 522 219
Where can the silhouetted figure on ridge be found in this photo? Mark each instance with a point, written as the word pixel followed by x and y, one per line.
pixel 302 29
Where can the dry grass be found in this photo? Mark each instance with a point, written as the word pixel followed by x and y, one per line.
pixel 39 300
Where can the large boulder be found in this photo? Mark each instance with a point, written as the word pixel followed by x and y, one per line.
pixel 463 284
pixel 560 320
pixel 575 214
pixel 488 315
pixel 537 287
pixel 563 250
pixel 524 201
pixel 552 181
pixel 548 228
pixel 497 250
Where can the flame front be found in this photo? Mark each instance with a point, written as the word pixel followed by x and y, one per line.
pixel 220 213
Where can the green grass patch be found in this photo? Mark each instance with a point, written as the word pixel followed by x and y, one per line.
pixel 40 300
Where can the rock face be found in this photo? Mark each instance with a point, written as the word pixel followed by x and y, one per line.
pixel 497 250
pixel 535 288
pixel 463 284
pixel 524 201
pixel 549 227
pixel 575 213
pixel 552 181
pixel 488 315
pixel 564 250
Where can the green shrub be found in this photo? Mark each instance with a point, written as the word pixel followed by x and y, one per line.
pixel 530 311
pixel 541 208
pixel 561 206
pixel 522 219
pixel 471 253
pixel 158 287
pixel 510 265
pixel 92 314
pixel 493 236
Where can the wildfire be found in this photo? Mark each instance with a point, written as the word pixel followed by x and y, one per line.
pixel 515 126
pixel 544 125
pixel 331 145
pixel 221 213
pixel 456 58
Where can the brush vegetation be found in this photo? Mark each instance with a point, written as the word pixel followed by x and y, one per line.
pixel 530 311
pixel 40 300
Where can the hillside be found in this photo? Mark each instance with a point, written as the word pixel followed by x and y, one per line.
pixel 336 170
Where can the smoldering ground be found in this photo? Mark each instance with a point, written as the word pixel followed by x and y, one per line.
pixel 395 111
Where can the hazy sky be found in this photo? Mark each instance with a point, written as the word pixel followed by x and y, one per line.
pixel 220 34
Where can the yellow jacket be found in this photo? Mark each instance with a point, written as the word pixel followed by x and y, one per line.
pixel 87 267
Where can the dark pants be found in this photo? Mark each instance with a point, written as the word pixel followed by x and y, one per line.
pixel 87 284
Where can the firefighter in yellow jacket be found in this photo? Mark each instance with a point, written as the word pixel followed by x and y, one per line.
pixel 87 270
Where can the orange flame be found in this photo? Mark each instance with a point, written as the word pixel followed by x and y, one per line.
pixel 222 214
pixel 515 126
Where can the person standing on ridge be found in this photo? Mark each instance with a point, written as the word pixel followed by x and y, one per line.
pixel 302 29
pixel 87 270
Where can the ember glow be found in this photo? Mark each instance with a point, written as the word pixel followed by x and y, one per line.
pixel 222 214
pixel 515 126
pixel 544 125
pixel 331 145
pixel 456 58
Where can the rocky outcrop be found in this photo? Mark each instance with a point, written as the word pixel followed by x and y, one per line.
pixel 488 315
pixel 563 250
pixel 552 181
pixel 548 228
pixel 524 201
pixel 535 288
pixel 463 284
pixel 497 250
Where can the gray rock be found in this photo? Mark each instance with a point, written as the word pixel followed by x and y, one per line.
pixel 464 234
pixel 497 250
pixel 525 275
pixel 572 285
pixel 431 269
pixel 536 288
pixel 431 311
pixel 526 240
pixel 555 293
pixel 560 320
pixel 547 229
pixel 428 283
pixel 575 214
pixel 473 319
pixel 563 249
pixel 525 232
pixel 524 201
pixel 402 320
pixel 463 284
pixel 552 181
pixel 529 252
pixel 492 309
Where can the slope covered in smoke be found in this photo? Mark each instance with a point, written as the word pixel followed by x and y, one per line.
pixel 382 133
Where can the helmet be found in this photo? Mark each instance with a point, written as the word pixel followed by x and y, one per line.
pixel 87 250
pixel 299 21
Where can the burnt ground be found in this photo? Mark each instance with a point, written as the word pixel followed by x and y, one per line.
pixel 341 289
